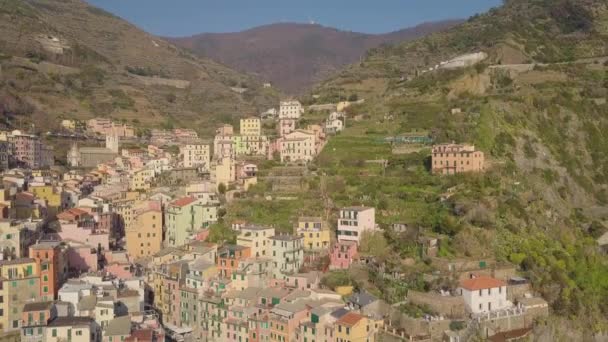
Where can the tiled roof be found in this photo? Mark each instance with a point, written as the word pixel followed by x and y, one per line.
pixel 183 201
pixel 350 319
pixel 37 306
pixel 480 283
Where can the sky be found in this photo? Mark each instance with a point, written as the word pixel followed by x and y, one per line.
pixel 174 18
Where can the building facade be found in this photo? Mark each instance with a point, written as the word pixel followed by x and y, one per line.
pixel 449 159
pixel 196 155
pixel 353 221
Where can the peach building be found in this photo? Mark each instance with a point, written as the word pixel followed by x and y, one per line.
pixel 449 159
pixel 298 145
pixel 144 236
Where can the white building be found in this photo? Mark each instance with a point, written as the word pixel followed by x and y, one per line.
pixel 335 123
pixel 484 294
pixel 287 255
pixel 195 155
pixel 290 110
pixel 353 221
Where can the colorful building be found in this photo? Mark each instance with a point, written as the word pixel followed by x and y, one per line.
pixel 251 126
pixel 144 235
pixel 354 221
pixel 342 255
pixel 52 261
pixel 449 159
pixel 196 155
pixel 256 238
pixel 229 257
pixel 287 255
pixel 185 217
pixel 315 232
pixel 21 285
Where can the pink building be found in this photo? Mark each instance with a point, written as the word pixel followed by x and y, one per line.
pixel 29 151
pixel 82 257
pixel 304 281
pixel 259 328
pixel 342 254
pixel 286 126
pixel 85 233
pixel 120 269
pixel 175 300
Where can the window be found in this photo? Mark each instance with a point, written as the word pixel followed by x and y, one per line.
pixel 480 294
pixel 45 278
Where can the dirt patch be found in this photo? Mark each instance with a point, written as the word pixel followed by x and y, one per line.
pixel 472 84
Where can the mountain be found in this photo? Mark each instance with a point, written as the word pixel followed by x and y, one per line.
pixel 536 106
pixel 295 56
pixel 65 58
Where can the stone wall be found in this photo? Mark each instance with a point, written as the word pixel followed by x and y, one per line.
pixel 448 306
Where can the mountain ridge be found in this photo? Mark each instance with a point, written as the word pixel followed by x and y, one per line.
pixel 67 58
pixel 293 56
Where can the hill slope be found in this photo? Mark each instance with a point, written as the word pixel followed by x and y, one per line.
pixel 543 201
pixel 66 58
pixel 295 56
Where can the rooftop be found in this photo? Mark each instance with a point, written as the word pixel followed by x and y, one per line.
pixel 70 321
pixel 182 202
pixel 16 261
pixel 37 306
pixel 285 237
pixel 359 208
pixel 480 283
pixel 119 326
pixel 350 319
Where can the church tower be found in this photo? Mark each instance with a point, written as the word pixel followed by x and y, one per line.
pixel 74 156
pixel 112 142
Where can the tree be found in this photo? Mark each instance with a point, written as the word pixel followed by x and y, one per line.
pixel 221 188
pixel 374 243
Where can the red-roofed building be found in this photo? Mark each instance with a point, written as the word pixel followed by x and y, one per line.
pixel 356 327
pixel 182 202
pixel 484 294
pixel 73 215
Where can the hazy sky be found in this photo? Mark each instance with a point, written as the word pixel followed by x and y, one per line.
pixel 187 17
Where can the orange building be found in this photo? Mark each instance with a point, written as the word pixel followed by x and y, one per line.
pixel 449 159
pixel 228 259
pixel 53 265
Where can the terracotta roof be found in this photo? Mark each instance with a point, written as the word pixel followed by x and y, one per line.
pixel 480 283
pixel 71 214
pixel 183 201
pixel 350 318
pixel 141 335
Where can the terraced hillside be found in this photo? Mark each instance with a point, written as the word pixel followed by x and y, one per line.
pixel 65 58
pixel 536 106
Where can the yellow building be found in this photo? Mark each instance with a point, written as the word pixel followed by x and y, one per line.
pixel 356 327
pixel 50 194
pixel 251 126
pixel 315 232
pixel 140 180
pixel 224 172
pixel 20 285
pixel 145 233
